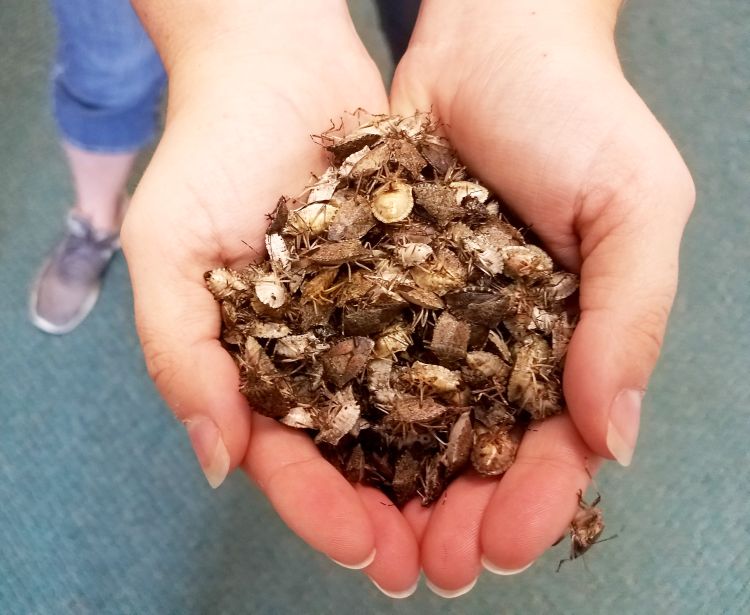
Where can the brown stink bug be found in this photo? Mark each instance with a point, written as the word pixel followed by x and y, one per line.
pixel 585 529
pixel 400 317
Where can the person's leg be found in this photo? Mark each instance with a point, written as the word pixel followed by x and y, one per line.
pixel 99 180
pixel 397 19
pixel 107 84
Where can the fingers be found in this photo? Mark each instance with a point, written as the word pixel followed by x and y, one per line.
pixel 178 324
pixel 537 497
pixel 309 494
pixel 628 281
pixel 418 517
pixel 395 570
pixel 451 551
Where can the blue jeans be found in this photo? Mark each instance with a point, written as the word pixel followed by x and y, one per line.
pixel 108 79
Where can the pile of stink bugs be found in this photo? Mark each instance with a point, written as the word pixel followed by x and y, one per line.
pixel 399 318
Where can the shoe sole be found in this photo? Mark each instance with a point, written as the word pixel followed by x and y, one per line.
pixel 49 327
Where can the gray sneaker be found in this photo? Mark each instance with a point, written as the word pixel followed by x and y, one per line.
pixel 68 284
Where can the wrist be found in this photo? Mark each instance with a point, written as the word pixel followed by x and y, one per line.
pixel 506 24
pixel 187 30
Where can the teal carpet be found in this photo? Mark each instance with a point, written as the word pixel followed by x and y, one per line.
pixel 103 508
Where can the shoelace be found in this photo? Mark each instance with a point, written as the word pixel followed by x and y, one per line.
pixel 83 256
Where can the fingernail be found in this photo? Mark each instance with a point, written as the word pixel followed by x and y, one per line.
pixel 398 595
pixel 490 567
pixel 209 448
pixel 624 420
pixel 363 564
pixel 450 593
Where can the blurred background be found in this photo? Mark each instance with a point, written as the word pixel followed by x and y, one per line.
pixel 103 508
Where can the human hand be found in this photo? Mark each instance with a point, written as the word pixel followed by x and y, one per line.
pixel 249 83
pixel 533 98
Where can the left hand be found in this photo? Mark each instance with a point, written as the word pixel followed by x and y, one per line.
pixel 533 98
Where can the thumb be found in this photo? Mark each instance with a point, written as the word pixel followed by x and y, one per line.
pixel 629 246
pixel 178 324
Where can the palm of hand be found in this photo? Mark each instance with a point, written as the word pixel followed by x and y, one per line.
pixel 577 156
pixel 203 203
pixel 551 146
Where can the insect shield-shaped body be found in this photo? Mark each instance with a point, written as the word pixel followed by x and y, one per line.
pixel 494 450
pixel 534 385
pixel 393 202
pixel 225 283
pixel 405 478
pixel 450 340
pixel 311 219
pixel 394 339
pixel 435 379
pixel 267 389
pixel 460 443
pixel 526 262
pixel 347 359
pixel 400 317
pixel 585 529
pixel 413 254
pixel 339 418
pixel 270 290
pixel 353 218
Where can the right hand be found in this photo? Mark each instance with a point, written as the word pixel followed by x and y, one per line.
pixel 247 89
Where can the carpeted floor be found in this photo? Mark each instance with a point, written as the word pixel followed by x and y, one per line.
pixel 103 508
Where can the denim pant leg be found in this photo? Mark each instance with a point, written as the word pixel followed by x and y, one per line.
pixel 107 78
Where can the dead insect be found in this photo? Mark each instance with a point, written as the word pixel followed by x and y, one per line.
pixel 412 409
pixel 353 217
pixel 355 466
pixel 270 290
pixel 405 478
pixel 450 339
pixel 298 417
pixel 393 202
pixel 346 359
pixel 433 479
pixel 460 443
pixel 299 347
pixel 339 417
pixel 526 262
pixel 398 317
pixel 364 136
pixel 441 274
pixel 370 318
pixel 371 163
pixel 311 219
pixel 320 289
pixel 478 306
pixel 487 363
pixel 405 154
pixel 224 283
pixel 534 383
pixel 267 389
pixel 585 529
pixel 438 153
pixel 420 297
pixel 394 339
pixel 324 187
pixel 463 189
pixel 338 253
pixel 433 378
pixel 412 254
pixel 438 201
pixel 494 450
